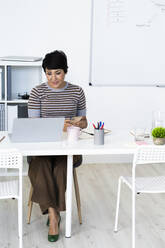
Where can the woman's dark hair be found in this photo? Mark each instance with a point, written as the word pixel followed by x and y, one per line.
pixel 55 60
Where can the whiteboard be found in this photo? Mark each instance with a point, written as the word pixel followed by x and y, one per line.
pixel 128 43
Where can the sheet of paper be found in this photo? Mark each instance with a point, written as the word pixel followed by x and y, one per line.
pixel 12 114
pixel 88 133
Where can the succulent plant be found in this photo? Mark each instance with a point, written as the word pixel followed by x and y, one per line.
pixel 158 132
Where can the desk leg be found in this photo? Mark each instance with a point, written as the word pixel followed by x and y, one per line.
pixel 69 196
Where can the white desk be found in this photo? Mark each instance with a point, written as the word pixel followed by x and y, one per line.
pixel 119 142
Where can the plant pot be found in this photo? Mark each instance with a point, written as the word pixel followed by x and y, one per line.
pixel 159 141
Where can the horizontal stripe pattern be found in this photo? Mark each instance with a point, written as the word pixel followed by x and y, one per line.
pixel 47 102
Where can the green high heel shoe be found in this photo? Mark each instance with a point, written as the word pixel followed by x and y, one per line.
pixel 54 238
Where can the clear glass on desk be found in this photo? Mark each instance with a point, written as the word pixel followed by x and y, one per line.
pixel 142 134
pixel 139 134
pixel 158 119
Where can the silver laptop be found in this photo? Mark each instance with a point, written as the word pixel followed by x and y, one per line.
pixel 37 130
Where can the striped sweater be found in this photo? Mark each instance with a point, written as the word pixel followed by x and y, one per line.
pixel 45 101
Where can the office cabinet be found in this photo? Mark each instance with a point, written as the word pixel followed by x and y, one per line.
pixel 16 81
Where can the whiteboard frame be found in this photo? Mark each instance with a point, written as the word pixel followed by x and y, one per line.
pixel 90 64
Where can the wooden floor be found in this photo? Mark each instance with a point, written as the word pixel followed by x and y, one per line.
pixel 98 188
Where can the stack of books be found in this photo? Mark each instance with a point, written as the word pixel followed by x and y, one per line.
pixel 2 117
pixel 0 84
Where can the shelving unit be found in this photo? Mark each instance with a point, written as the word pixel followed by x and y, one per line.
pixel 17 78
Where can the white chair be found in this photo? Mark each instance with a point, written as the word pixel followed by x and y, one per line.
pixel 143 155
pixel 13 188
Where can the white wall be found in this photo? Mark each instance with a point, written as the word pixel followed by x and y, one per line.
pixel 70 32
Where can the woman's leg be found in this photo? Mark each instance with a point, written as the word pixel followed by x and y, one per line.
pixel 41 177
pixel 60 177
pixel 45 191
pixel 54 218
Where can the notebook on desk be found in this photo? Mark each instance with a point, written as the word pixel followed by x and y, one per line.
pixel 37 130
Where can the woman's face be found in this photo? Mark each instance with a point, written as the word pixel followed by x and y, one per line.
pixel 55 78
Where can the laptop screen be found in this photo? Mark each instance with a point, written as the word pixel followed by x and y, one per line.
pixel 37 129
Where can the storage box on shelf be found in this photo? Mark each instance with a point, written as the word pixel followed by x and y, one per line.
pixel 17 78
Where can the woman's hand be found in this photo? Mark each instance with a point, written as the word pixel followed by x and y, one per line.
pixel 82 123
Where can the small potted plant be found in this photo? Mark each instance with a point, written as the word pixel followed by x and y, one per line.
pixel 158 134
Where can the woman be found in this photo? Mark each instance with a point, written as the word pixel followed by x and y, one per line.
pixel 54 98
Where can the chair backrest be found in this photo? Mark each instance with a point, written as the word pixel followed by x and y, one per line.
pixel 10 159
pixel 149 154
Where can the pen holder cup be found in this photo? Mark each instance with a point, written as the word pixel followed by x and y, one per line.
pixel 99 136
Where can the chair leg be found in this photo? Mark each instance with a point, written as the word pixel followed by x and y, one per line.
pixel 20 222
pixel 20 206
pixel 133 218
pixel 30 195
pixel 117 205
pixel 30 205
pixel 77 193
